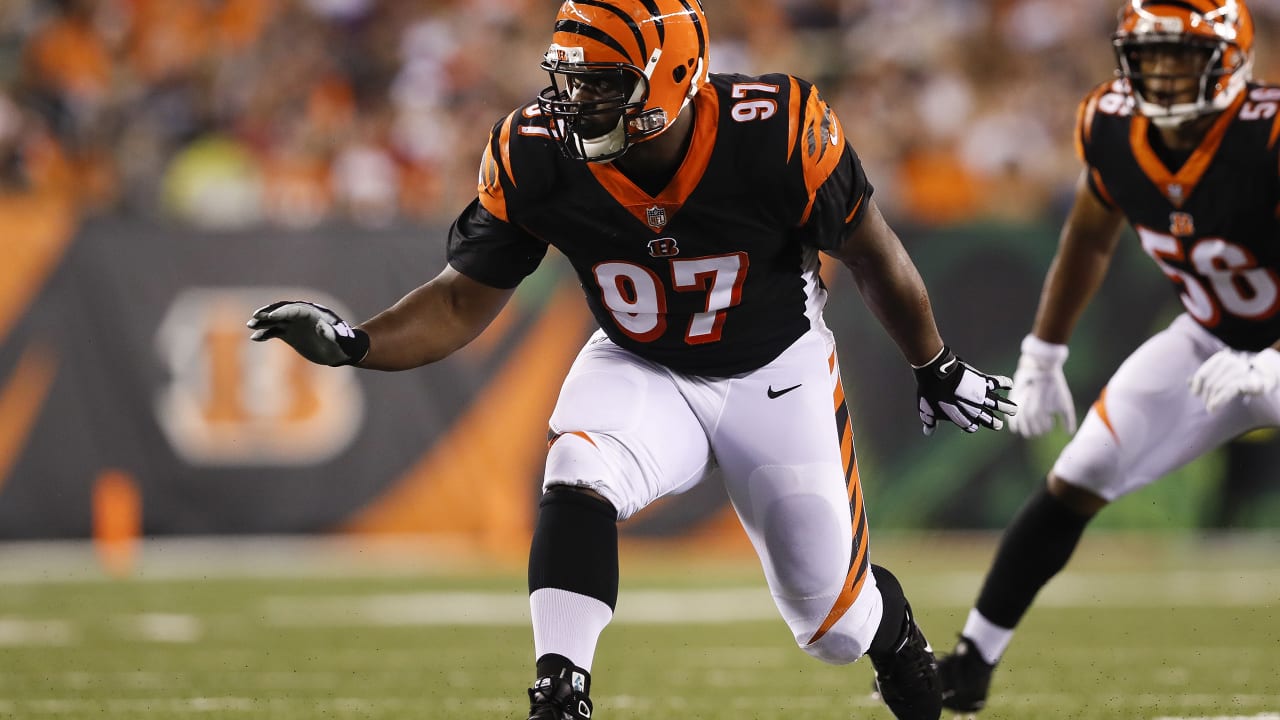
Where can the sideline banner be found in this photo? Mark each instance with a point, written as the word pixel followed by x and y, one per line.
pixel 126 372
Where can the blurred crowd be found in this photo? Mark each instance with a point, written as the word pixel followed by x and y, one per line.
pixel 231 113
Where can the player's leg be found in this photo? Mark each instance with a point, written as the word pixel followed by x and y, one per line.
pixel 1145 424
pixel 791 472
pixel 621 437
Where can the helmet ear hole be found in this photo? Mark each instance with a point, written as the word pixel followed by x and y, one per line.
pixel 678 73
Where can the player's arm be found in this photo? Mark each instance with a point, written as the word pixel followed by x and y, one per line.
pixel 1085 247
pixel 427 325
pixel 891 286
pixel 431 322
pixel 488 257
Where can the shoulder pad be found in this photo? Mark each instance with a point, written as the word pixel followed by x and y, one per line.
pixel 519 162
pixel 1110 98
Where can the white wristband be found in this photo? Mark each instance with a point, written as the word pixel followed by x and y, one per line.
pixel 1042 350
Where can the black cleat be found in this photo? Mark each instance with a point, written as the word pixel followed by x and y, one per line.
pixel 907 678
pixel 965 677
pixel 560 698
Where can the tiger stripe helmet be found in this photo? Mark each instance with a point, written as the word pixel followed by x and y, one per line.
pixel 621 72
pixel 1220 30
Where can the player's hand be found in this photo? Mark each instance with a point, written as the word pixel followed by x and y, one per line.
pixel 315 331
pixel 1040 389
pixel 952 389
pixel 1229 374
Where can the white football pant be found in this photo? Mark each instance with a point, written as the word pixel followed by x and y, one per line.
pixel 634 431
pixel 1147 423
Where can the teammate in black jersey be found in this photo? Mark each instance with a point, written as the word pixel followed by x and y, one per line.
pixel 694 209
pixel 1182 146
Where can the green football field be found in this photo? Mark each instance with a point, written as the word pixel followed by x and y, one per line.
pixel 1139 627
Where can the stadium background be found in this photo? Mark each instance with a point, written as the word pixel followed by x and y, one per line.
pixel 166 166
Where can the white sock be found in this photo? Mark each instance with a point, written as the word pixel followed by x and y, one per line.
pixel 567 623
pixel 990 639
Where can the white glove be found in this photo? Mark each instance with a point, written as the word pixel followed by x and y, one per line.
pixel 315 331
pixel 1040 389
pixel 1229 374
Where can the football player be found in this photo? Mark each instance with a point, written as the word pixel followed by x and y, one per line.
pixel 1182 146
pixel 693 207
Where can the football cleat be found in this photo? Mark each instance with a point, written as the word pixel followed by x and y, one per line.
pixel 559 698
pixel 965 678
pixel 907 678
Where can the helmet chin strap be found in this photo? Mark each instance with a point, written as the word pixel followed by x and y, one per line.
pixel 1168 122
pixel 1175 116
pixel 606 144
pixel 613 141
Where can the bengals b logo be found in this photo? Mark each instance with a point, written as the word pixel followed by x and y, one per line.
pixel 232 402
pixel 663 247
pixel 1181 224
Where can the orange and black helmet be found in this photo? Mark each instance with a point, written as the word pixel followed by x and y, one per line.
pixel 1217 32
pixel 621 72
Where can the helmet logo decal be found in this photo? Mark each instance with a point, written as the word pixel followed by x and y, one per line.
pixel 656 216
pixel 1159 24
pixel 664 247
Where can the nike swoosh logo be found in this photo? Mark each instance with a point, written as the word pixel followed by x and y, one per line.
pixel 779 393
pixel 945 367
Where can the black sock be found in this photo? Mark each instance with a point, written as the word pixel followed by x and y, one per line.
pixel 893 622
pixel 1036 545
pixel 575 546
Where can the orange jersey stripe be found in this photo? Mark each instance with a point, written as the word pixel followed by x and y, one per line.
pixel 673 196
pixel 822 144
pixel 489 189
pixel 793 117
pixel 1101 186
pixel 1193 169
pixel 1084 122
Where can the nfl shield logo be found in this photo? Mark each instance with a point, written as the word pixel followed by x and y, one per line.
pixel 656 217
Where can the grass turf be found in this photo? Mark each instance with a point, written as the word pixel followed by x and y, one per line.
pixel 1163 627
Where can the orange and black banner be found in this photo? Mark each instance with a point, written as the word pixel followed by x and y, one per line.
pixel 131 400
pixel 129 389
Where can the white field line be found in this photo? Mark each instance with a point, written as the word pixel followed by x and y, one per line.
pixel 1140 590
pixel 1263 716
pixel 167 706
pixel 162 627
pixel 26 632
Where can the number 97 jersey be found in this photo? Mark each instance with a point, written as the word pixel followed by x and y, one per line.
pixel 715 274
pixel 1210 224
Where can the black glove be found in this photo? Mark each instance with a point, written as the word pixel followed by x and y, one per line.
pixel 954 389
pixel 315 331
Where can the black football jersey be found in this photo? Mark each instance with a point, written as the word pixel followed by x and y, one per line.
pixel 1211 224
pixel 715 275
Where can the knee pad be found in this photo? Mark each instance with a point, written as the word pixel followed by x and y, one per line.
pixel 576 460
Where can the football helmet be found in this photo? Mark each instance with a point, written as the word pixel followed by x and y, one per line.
pixel 1167 48
pixel 621 72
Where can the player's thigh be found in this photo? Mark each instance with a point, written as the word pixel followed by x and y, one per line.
pixel 621 428
pixel 779 448
pixel 1147 423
